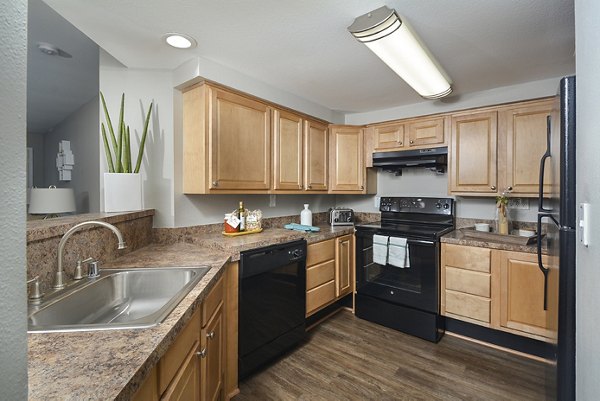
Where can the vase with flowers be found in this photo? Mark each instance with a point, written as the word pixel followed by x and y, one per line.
pixel 502 215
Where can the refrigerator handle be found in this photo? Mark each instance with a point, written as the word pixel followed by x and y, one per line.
pixel 543 269
pixel 546 155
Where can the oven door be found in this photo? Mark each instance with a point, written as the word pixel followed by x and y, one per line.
pixel 416 286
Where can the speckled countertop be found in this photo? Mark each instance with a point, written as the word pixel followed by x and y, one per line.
pixel 111 364
pixel 457 237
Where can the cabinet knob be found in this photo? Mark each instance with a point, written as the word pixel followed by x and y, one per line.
pixel 509 189
pixel 309 186
pixel 411 141
pixel 201 354
pixel 362 187
pixel 493 187
pixel 215 183
pixel 300 186
pixel 210 335
pixel 399 142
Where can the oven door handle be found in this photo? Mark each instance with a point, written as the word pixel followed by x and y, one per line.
pixel 421 242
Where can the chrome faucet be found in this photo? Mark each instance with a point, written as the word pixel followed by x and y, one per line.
pixel 59 281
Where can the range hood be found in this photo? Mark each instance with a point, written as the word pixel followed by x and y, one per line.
pixel 435 159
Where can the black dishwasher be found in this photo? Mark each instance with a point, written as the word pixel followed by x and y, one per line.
pixel 272 303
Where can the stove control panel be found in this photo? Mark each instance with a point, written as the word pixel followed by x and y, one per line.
pixel 417 205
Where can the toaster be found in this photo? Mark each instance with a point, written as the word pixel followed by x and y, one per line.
pixel 340 216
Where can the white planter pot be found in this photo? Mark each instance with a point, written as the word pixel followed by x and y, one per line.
pixel 123 192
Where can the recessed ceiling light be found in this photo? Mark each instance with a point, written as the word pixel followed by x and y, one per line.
pixel 180 41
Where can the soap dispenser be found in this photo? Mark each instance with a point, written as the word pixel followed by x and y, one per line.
pixel 306 216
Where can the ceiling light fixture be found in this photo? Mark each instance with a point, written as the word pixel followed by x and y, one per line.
pixel 389 37
pixel 180 41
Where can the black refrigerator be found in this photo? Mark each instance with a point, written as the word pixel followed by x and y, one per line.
pixel 559 212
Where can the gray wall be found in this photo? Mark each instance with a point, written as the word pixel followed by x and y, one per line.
pixel 36 141
pixel 81 128
pixel 587 15
pixel 13 313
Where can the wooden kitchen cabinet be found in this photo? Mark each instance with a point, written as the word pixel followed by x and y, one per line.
pixel 186 384
pixel 344 264
pixel 287 150
pixel 388 137
pixel 316 156
pixel 426 132
pixel 523 139
pixel 347 171
pixel 522 295
pixel 226 142
pixel 472 154
pixel 148 391
pixel 329 272
pixel 499 149
pixel 502 290
pixel 212 337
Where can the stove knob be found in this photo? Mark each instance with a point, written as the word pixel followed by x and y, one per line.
pixel 336 219
pixel 349 219
pixel 446 206
pixel 438 205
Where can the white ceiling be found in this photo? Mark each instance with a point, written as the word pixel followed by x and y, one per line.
pixel 57 86
pixel 303 47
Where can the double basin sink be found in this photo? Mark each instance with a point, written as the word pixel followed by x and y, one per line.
pixel 117 299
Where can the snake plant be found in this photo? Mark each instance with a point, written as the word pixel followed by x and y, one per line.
pixel 119 157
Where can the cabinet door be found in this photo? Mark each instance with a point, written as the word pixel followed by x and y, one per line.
pixel 212 338
pixel 522 295
pixel 316 156
pixel 240 142
pixel 426 132
pixel 344 263
pixel 473 147
pixel 525 130
pixel 389 137
pixel 287 150
pixel 346 155
pixel 186 384
pixel 148 391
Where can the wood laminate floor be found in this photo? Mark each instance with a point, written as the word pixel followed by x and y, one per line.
pixel 347 358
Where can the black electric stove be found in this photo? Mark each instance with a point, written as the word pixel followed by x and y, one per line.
pixel 404 298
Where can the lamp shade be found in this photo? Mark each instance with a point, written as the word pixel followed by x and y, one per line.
pixel 391 39
pixel 51 200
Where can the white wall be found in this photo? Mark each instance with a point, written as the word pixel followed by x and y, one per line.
pixel 81 129
pixel 513 93
pixel 422 182
pixel 13 312
pixel 587 33
pixel 142 87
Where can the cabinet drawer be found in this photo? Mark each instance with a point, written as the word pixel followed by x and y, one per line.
pixel 177 353
pixel 212 302
pixel 320 252
pixel 320 274
pixel 320 296
pixel 467 257
pixel 466 305
pixel 468 281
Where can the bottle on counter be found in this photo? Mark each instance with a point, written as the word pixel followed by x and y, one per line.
pixel 230 225
pixel 242 216
pixel 306 216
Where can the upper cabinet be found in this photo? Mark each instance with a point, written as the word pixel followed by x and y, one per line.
pixel 524 131
pixel 388 136
pixel 288 150
pixel 499 150
pixel 316 156
pixel 427 132
pixel 347 170
pixel 472 153
pixel 226 142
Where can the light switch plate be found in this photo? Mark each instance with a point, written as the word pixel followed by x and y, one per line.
pixel 376 202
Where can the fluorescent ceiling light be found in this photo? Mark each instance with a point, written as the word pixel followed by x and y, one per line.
pixel 390 38
pixel 180 41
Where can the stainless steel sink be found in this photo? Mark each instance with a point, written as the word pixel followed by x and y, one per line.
pixel 118 299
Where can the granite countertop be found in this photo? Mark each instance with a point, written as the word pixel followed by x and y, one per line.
pixel 457 237
pixel 111 364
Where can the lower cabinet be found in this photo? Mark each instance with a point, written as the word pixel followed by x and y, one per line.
pixel 329 272
pixel 192 369
pixel 502 290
